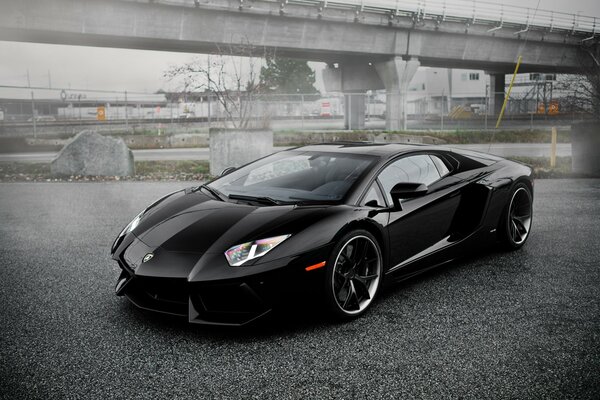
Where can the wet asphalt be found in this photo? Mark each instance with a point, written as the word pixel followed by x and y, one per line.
pixel 520 325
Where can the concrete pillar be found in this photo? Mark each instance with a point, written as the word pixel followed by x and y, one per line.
pixel 396 74
pixel 497 84
pixel 332 78
pixel 354 111
pixel 353 77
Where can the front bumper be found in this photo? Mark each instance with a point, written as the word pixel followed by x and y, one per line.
pixel 234 301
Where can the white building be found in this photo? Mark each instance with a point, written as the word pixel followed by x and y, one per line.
pixel 434 90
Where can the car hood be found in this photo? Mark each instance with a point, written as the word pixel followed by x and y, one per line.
pixel 193 222
pixel 186 234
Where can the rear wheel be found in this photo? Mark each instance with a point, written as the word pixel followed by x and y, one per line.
pixel 355 275
pixel 517 217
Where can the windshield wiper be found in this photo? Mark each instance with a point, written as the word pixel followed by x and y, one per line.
pixel 214 192
pixel 261 199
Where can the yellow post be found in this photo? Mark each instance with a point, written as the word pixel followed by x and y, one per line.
pixel 512 81
pixel 553 148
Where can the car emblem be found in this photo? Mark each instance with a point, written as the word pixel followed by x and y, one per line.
pixel 148 257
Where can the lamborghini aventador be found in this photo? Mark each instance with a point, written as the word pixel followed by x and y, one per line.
pixel 332 221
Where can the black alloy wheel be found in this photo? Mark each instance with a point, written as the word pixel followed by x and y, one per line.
pixel 517 218
pixel 355 274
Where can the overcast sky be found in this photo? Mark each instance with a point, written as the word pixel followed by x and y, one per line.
pixel 140 70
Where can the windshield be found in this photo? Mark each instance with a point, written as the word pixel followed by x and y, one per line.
pixel 291 176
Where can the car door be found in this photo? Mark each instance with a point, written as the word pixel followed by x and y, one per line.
pixel 423 223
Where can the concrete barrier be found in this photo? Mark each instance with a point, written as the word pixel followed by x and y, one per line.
pixel 233 148
pixel 585 148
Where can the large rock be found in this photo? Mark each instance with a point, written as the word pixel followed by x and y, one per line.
pixel 92 154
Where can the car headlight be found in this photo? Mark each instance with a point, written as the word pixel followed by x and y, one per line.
pixel 130 226
pixel 133 224
pixel 136 221
pixel 239 254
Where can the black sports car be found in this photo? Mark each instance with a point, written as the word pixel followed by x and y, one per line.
pixel 333 219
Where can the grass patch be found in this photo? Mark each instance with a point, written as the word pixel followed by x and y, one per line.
pixel 171 167
pixel 542 170
pixel 144 170
pixel 21 168
pixel 456 136
pixel 535 136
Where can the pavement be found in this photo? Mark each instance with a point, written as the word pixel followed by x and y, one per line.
pixel 497 325
pixel 202 153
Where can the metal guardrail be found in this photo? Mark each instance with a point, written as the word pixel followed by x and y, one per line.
pixel 495 15
pixel 473 11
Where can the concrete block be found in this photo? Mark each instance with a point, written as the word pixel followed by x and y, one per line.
pixel 236 147
pixel 585 148
pixel 91 154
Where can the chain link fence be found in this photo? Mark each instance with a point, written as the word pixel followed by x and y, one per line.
pixel 47 112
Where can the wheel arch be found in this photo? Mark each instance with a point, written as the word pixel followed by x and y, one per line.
pixel 527 180
pixel 373 228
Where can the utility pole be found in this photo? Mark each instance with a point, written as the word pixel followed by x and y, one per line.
pixel 442 113
pixel 404 113
pixel 28 81
pixel 209 92
pixel 349 108
pixel 49 80
pixel 33 113
pixel 208 105
pixel 487 105
pixel 302 109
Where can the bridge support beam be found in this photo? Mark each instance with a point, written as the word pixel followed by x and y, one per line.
pixel 353 78
pixel 354 111
pixel 396 74
pixel 497 86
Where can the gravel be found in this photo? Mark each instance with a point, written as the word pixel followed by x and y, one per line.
pixel 496 325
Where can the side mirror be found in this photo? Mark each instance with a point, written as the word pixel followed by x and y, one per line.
pixel 228 170
pixel 407 191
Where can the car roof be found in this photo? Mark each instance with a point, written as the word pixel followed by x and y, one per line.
pixel 387 150
pixel 368 148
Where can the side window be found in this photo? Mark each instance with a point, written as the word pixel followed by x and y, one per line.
pixel 414 169
pixel 441 166
pixel 373 197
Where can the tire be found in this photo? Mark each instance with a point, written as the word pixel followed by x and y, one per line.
pixel 516 220
pixel 356 274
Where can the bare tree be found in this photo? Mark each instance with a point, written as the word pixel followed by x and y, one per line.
pixel 232 76
pixel 582 91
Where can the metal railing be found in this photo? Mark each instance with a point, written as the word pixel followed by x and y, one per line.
pixel 495 15
pixel 196 112
pixel 472 11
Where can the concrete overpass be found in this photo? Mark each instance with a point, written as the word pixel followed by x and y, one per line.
pixel 368 44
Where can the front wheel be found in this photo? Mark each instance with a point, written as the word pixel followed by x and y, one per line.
pixel 517 217
pixel 355 275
